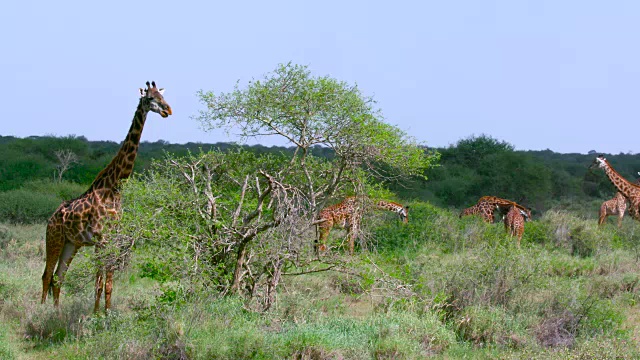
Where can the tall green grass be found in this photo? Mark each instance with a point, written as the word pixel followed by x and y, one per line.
pixel 438 287
pixel 35 201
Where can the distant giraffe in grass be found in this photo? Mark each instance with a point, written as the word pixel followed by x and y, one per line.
pixel 348 215
pixel 487 205
pixel 514 222
pixel 484 209
pixel 630 190
pixel 79 222
pixel 616 206
pixel 505 205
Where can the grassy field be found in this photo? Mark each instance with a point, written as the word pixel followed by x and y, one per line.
pixel 438 287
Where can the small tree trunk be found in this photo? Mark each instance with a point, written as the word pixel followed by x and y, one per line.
pixel 273 281
pixel 237 273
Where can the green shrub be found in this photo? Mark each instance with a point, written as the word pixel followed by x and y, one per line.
pixel 49 325
pixel 488 325
pixel 6 352
pixel 27 207
pixel 65 190
pixel 35 201
pixel 5 236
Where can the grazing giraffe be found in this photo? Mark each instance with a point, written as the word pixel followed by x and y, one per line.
pixel 348 215
pixel 630 190
pixel 482 208
pixel 487 205
pixel 514 222
pixel 79 222
pixel 505 205
pixel 615 206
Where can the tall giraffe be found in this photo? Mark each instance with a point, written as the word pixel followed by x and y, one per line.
pixel 348 215
pixel 629 190
pixel 514 222
pixel 79 222
pixel 615 206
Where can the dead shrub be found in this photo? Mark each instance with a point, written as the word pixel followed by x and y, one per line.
pixel 314 353
pixel 558 331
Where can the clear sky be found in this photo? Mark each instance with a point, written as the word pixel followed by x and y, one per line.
pixel 562 75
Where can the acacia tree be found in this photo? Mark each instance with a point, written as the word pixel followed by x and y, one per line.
pixel 240 220
pixel 66 159
pixel 310 111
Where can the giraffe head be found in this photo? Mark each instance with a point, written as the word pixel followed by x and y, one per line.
pixel 402 211
pixel 152 99
pixel 404 214
pixel 599 162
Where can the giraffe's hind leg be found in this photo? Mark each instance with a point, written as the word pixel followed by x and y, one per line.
pixel 323 230
pixel 602 219
pixel 108 287
pixel 68 252
pixel 100 282
pixel 54 245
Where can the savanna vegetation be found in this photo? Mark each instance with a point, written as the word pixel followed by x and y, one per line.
pixel 215 254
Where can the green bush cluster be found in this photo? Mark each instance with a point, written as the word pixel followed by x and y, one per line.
pixel 564 286
pixel 35 201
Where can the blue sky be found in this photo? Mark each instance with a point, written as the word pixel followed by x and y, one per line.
pixel 562 75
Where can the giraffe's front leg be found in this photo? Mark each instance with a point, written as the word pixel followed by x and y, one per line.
pixel 99 285
pixel 352 234
pixel 323 230
pixel 108 287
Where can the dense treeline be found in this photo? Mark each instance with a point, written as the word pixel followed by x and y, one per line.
pixel 478 166
pixel 469 169
pixel 34 158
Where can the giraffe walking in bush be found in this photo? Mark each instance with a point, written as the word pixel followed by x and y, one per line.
pixel 630 190
pixel 514 222
pixel 348 215
pixel 79 222
pixel 616 206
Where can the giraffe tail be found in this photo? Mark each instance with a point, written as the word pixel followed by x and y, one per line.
pixel 315 240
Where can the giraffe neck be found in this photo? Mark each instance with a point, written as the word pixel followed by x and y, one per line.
pixel 622 185
pixel 393 207
pixel 388 205
pixel 121 166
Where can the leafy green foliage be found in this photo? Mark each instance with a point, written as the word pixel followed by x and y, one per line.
pixel 309 111
pixel 35 201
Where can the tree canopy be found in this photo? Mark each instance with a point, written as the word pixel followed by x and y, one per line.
pixel 307 111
